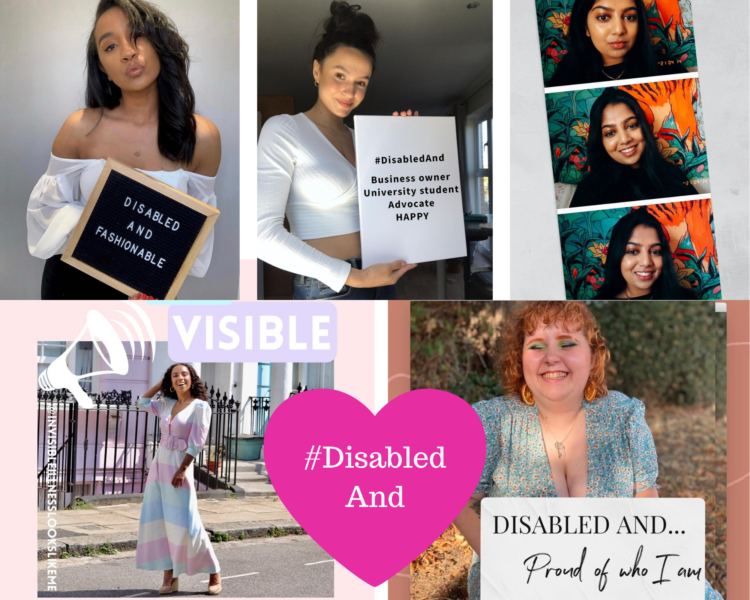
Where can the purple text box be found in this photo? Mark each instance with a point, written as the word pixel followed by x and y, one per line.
pixel 253 332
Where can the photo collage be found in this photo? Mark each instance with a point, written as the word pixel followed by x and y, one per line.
pixel 540 389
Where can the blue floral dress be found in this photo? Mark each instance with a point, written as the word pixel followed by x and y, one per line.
pixel 621 455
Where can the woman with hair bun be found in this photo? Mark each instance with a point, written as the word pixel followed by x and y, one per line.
pixel 171 537
pixel 307 171
pixel 140 110
pixel 623 160
pixel 608 40
pixel 559 432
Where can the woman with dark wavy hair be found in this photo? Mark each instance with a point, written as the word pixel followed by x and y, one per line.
pixel 559 432
pixel 608 40
pixel 140 110
pixel 623 160
pixel 171 537
pixel 639 262
pixel 307 172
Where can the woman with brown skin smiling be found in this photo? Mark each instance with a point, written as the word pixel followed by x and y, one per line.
pixel 559 432
pixel 639 262
pixel 140 112
pixel 171 537
pixel 623 160
pixel 608 40
pixel 307 171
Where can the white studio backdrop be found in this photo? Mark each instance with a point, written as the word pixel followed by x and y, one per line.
pixel 42 82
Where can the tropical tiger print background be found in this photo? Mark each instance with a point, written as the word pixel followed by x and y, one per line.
pixel 670 24
pixel 673 108
pixel 689 227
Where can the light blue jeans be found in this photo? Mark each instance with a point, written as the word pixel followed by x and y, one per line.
pixel 307 288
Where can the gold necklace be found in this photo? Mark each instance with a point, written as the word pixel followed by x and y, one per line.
pixel 559 444
pixel 629 297
pixel 614 78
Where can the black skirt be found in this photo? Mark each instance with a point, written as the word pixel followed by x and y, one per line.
pixel 60 281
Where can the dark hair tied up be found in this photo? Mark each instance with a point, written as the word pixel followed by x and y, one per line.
pixel 347 27
pixel 176 98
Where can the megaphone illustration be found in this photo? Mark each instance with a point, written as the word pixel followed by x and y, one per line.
pixel 58 375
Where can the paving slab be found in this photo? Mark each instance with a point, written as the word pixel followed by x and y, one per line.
pixel 117 525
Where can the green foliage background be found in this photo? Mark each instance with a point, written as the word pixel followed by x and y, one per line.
pixel 568 122
pixel 662 352
pixel 553 43
pixel 584 234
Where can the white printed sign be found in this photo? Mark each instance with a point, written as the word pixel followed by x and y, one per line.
pixel 609 548
pixel 409 189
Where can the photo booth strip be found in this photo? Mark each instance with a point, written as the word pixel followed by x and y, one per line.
pixel 670 27
pixel 673 109
pixel 688 226
pixel 672 106
pixel 137 234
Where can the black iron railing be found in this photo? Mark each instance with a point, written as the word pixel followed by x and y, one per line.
pixel 261 409
pixel 108 449
pixel 299 390
pixel 56 434
pixel 214 468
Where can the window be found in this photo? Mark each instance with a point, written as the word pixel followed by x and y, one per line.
pixel 85 364
pixel 47 352
pixel 264 380
pixel 484 174
pixel 484 166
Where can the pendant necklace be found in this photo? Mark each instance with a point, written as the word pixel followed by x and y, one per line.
pixel 643 297
pixel 560 444
pixel 614 78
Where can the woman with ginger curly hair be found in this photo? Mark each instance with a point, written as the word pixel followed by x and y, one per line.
pixel 564 427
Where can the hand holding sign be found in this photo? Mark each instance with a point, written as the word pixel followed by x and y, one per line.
pixel 138 234
pixel 378 275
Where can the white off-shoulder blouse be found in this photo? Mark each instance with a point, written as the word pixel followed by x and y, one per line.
pixel 57 202
pixel 302 175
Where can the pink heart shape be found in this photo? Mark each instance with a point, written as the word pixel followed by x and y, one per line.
pixel 375 543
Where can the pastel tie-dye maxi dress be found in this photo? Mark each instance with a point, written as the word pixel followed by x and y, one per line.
pixel 171 534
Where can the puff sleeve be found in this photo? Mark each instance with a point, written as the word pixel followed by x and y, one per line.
pixel 711 593
pixel 155 407
pixel 199 428
pixel 489 418
pixel 54 207
pixel 642 449
pixel 201 188
pixel 277 148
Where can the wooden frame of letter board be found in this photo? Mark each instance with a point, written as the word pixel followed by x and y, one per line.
pixel 166 190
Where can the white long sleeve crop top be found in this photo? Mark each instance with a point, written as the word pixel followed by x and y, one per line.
pixel 57 202
pixel 301 173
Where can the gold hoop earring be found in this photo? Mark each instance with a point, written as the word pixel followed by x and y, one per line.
pixel 527 396
pixel 171 389
pixel 590 392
